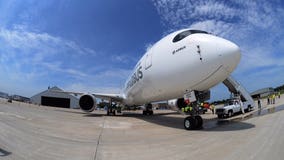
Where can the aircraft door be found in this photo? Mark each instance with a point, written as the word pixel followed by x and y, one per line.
pixel 148 60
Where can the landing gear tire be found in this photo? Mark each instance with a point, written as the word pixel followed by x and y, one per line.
pixel 145 112
pixel 148 109
pixel 192 123
pixel 199 122
pixel 111 112
pixel 189 123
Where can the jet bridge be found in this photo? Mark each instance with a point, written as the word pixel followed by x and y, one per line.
pixel 237 89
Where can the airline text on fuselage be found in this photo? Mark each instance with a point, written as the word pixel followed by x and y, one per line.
pixel 135 77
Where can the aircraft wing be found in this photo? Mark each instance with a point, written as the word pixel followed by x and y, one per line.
pixel 113 97
pixel 104 96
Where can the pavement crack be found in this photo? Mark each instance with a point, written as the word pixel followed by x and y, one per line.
pixel 100 135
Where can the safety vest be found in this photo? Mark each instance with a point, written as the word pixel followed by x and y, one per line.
pixel 187 108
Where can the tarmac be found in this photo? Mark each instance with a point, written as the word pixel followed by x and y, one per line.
pixel 30 132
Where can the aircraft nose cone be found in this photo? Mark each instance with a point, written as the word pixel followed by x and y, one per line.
pixel 230 55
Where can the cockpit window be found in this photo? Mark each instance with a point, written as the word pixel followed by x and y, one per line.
pixel 184 34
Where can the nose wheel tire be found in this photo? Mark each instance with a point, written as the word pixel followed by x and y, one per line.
pixel 192 123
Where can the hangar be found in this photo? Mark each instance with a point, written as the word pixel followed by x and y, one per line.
pixel 51 97
pixel 262 92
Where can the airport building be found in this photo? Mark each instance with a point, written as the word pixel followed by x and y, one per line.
pixel 262 92
pixel 4 95
pixel 20 98
pixel 53 97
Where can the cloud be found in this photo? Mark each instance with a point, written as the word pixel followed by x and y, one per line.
pixel 82 87
pixel 176 14
pixel 108 81
pixel 148 46
pixel 18 38
pixel 56 67
pixel 214 26
pixel 37 57
pixel 122 58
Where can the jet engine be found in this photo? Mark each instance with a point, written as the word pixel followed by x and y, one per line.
pixel 87 102
pixel 179 103
pixel 176 103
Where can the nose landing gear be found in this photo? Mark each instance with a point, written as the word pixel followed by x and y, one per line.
pixel 194 121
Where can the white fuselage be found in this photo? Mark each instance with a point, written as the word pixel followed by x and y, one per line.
pixel 169 69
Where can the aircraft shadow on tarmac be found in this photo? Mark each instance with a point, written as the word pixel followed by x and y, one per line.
pixel 165 119
pixel 4 153
pixel 177 122
pixel 228 126
pixel 93 115
pixel 69 111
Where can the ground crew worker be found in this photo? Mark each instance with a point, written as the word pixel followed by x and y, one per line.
pixel 241 105
pixel 268 100
pixel 279 95
pixel 273 98
pixel 186 108
pixel 186 101
pixel 212 107
pixel 259 103
pixel 118 109
pixel 206 105
pixel 190 107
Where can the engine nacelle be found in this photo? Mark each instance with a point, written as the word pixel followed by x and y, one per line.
pixel 176 103
pixel 179 103
pixel 87 102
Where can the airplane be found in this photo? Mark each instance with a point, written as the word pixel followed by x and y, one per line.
pixel 185 62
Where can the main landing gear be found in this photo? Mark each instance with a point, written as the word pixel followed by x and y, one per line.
pixel 111 111
pixel 111 108
pixel 193 122
pixel 148 109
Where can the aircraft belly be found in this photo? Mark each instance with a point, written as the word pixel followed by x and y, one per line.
pixel 212 79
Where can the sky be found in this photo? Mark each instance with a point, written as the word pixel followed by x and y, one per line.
pixel 93 45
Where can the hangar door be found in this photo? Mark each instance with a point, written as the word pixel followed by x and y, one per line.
pixel 55 102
